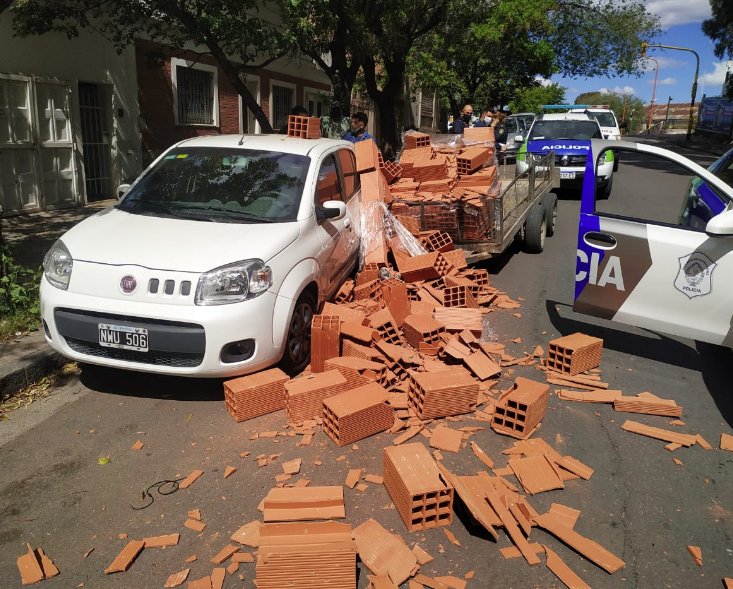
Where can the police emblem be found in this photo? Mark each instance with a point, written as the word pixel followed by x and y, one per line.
pixel 694 278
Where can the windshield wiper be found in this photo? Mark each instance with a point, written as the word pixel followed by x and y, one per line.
pixel 227 213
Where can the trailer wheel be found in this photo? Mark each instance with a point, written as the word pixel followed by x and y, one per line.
pixel 550 204
pixel 535 230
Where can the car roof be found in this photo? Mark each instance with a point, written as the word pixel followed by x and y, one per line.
pixel 522 114
pixel 273 142
pixel 565 116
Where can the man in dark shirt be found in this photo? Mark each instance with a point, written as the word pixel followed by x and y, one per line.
pixel 463 121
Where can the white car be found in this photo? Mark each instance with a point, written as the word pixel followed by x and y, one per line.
pixel 606 119
pixel 214 262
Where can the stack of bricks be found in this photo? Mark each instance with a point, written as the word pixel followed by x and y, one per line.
pixel 325 340
pixel 318 554
pixel 442 393
pixel 519 411
pixel 422 497
pixel 304 127
pixel 574 353
pixel 256 394
pixel 304 395
pixel 357 414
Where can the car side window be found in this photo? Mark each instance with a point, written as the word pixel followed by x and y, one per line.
pixel 349 175
pixel 653 189
pixel 328 186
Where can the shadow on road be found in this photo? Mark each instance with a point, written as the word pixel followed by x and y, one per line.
pixel 154 386
pixel 711 361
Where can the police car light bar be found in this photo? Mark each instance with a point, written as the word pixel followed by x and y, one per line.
pixel 563 106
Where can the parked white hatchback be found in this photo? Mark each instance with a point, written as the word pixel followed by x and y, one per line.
pixel 213 263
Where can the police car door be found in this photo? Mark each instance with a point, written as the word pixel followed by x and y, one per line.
pixel 637 261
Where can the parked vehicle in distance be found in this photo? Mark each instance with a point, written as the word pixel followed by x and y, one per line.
pixel 566 135
pixel 513 125
pixel 638 264
pixel 606 119
pixel 703 200
pixel 213 263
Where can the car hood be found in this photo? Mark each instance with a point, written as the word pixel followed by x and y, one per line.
pixel 116 237
pixel 560 146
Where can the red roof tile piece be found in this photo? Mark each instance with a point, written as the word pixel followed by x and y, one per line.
pixel 659 433
pixel 482 366
pixel 190 479
pixel 574 353
pixel 358 371
pixel 357 414
pixel 325 340
pixel 422 498
pixel 177 579
pixel 445 438
pixel 304 395
pixel 359 333
pixel 344 313
pixel 520 409
pixel 224 554
pixel 248 534
pixel 256 394
pixel 441 393
pixel 161 541
pixel 303 504
pixel 536 473
pixel 647 404
pixel 384 553
pixel 458 319
pixel 202 583
pixel 317 554
pixel 475 501
pixel 126 557
pixel 593 551
pixel 352 349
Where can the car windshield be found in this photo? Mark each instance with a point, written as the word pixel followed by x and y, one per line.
pixel 221 185
pixel 605 119
pixel 565 129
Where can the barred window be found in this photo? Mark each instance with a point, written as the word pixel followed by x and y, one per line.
pixel 195 91
pixel 282 103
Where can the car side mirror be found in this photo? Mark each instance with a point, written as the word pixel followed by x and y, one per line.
pixel 331 209
pixel 721 225
pixel 122 190
pixel 518 139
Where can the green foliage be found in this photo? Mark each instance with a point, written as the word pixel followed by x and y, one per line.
pixel 627 108
pixel 531 99
pixel 720 27
pixel 19 299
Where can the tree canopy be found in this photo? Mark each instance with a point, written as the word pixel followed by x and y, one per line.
pixel 720 27
pixel 628 108
pixel 531 98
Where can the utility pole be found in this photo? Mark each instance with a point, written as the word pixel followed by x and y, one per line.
pixel 666 118
pixel 645 46
pixel 650 117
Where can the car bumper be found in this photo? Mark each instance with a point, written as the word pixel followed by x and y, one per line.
pixel 183 340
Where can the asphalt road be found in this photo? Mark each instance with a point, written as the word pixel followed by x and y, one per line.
pixel 639 504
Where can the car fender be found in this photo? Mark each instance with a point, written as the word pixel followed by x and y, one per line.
pixel 292 286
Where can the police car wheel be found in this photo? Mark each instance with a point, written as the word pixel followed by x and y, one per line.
pixel 535 230
pixel 550 205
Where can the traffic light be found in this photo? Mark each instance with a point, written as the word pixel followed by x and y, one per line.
pixel 644 45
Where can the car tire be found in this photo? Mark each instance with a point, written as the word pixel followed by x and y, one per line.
pixel 604 192
pixel 535 230
pixel 298 341
pixel 550 205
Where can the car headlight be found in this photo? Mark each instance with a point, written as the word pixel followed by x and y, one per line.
pixel 57 265
pixel 233 283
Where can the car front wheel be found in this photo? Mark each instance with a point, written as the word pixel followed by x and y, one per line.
pixel 298 344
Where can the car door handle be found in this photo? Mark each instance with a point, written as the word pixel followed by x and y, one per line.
pixel 602 241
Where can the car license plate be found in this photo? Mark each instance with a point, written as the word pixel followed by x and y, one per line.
pixel 124 337
pixel 567 175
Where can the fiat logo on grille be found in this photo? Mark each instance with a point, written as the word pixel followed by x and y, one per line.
pixel 128 284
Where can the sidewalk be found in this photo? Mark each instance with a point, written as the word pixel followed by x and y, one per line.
pixel 26 359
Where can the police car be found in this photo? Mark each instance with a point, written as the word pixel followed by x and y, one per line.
pixel 703 202
pixel 566 134
pixel 637 265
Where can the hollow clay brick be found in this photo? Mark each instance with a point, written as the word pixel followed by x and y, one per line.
pixel 304 127
pixel 304 395
pixel 395 296
pixel 482 134
pixel 422 497
pixel 416 140
pixel 520 409
pixel 442 393
pixel 384 323
pixel 325 340
pixel 423 333
pixel 357 414
pixel 317 554
pixel 256 394
pixel 574 353
pixel 367 156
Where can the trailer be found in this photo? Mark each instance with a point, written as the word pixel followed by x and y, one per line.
pixel 521 207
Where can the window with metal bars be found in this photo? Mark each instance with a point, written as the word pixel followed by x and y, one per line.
pixel 195 93
pixel 282 103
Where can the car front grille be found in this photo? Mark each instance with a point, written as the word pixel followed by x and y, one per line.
pixel 172 359
pixel 570 160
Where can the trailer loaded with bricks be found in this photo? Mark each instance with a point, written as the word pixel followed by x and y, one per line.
pixel 451 184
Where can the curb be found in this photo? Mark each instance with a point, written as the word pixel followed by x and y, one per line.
pixel 20 370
